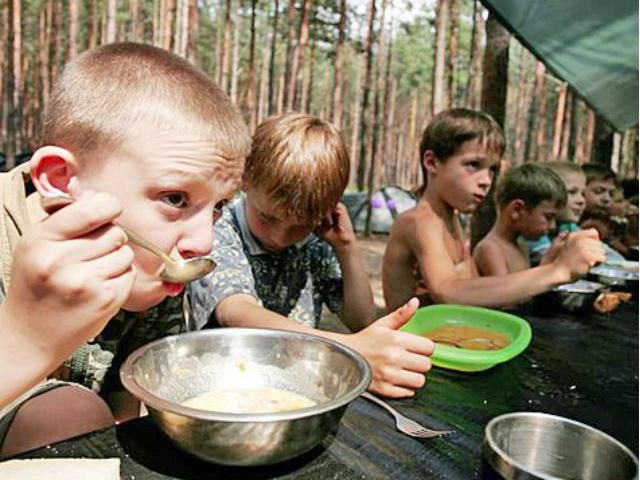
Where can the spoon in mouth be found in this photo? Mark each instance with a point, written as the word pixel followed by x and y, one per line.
pixel 175 271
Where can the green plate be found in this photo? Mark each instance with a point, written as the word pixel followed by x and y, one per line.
pixel 447 356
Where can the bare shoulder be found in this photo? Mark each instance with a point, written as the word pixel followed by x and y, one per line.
pixel 489 245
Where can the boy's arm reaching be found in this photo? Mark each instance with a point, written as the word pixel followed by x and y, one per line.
pixel 398 359
pixel 490 259
pixel 582 251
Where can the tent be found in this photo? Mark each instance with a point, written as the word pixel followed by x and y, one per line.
pixel 387 203
pixel 590 44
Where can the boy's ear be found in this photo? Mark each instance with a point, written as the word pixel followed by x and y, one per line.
pixel 516 207
pixel 430 162
pixel 52 168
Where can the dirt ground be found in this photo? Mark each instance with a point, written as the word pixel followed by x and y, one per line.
pixel 372 250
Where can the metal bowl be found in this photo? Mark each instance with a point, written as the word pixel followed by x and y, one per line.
pixel 539 446
pixel 573 297
pixel 165 373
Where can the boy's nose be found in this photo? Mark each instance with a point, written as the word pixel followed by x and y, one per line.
pixel 485 179
pixel 196 240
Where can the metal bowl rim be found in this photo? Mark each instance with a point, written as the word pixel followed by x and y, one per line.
pixel 159 403
pixel 505 457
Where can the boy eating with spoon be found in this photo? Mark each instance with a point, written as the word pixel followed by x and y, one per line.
pixel 165 148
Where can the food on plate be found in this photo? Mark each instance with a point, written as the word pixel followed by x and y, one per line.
pixel 471 338
pixel 249 401
pixel 609 301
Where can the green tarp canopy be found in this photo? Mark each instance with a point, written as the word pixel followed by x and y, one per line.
pixel 590 44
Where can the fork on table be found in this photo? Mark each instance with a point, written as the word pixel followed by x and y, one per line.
pixel 404 424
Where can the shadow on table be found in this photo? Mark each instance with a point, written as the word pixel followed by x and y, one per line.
pixel 149 447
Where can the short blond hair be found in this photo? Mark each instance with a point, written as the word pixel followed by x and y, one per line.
pixel 564 167
pixel 300 162
pixel 111 93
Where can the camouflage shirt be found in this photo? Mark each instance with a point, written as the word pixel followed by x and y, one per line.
pixel 294 282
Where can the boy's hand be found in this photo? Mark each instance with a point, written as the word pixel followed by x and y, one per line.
pixel 582 251
pixel 71 274
pixel 399 360
pixel 336 228
pixel 556 247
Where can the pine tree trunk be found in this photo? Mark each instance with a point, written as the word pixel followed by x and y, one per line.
pixel 538 152
pixel 282 86
pixel 112 11
pixel 386 120
pixel 376 121
pixel 411 141
pixel 263 89
pixel 272 58
pixel 453 53
pixel 235 55
pixel 391 155
pixel 58 54
pixel 181 31
pixel 17 74
pixel 9 88
pixel 474 81
pixel 355 126
pixel 366 91
pixel 325 111
pixel 74 11
pixel 291 50
pixel 44 32
pixel 251 88
pixel 194 32
pixel 223 62
pixel 559 121
pixel 298 58
pixel 308 79
pixel 336 110
pixel 439 95
pixel 588 137
pixel 566 128
pixel 522 113
pixel 495 70
pixel 602 142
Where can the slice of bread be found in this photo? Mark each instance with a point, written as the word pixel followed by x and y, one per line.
pixel 61 469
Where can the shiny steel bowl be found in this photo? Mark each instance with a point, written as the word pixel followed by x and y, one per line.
pixel 165 373
pixel 539 446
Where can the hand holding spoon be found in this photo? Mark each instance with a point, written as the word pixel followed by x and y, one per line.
pixel 175 271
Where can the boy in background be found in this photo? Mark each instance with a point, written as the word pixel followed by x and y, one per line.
pixel 460 151
pixel 165 148
pixel 528 198
pixel 569 219
pixel 286 247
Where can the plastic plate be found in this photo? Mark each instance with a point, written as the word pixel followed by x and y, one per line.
pixel 516 329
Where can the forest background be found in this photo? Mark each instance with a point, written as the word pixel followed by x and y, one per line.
pixel 378 69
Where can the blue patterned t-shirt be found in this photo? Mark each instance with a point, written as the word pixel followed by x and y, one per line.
pixel 294 282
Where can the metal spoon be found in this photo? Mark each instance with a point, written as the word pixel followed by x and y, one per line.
pixel 175 270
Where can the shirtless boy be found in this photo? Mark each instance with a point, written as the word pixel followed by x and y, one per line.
pixel 529 199
pixel 426 254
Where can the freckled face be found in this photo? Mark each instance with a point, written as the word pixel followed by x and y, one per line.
pixel 171 188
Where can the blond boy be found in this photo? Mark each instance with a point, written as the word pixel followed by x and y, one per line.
pixel 287 247
pixel 569 219
pixel 165 148
pixel 529 198
pixel 459 151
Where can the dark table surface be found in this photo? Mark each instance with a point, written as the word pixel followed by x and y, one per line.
pixel 582 367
